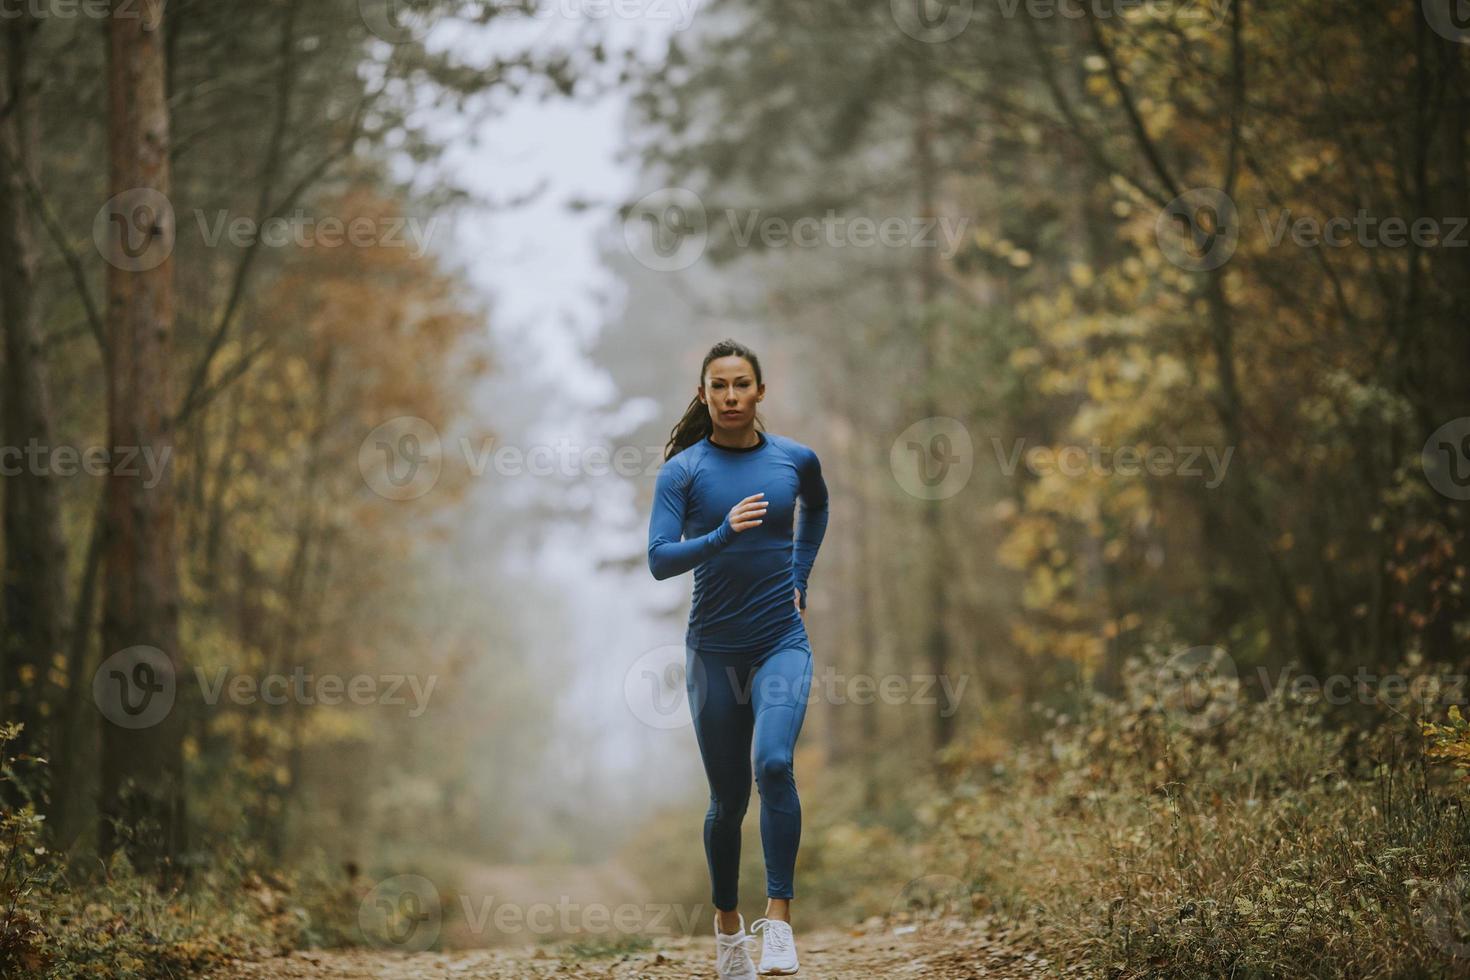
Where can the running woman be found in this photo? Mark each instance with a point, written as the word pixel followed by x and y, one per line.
pixel 725 506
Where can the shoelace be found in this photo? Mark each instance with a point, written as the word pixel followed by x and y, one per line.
pixel 728 948
pixel 777 933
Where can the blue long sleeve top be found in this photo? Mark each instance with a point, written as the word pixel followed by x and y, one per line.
pixel 744 581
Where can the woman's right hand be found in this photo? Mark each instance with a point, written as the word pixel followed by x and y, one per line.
pixel 748 512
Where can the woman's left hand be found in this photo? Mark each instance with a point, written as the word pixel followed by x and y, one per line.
pixel 796 601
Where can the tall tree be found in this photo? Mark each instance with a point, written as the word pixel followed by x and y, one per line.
pixel 142 767
pixel 35 556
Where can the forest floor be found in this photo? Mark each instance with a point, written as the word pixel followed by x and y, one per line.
pixel 952 948
pixel 964 950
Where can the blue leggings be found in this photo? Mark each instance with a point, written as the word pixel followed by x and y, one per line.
pixel 737 699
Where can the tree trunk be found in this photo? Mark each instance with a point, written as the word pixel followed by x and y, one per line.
pixel 35 603
pixel 869 562
pixel 76 723
pixel 935 351
pixel 142 765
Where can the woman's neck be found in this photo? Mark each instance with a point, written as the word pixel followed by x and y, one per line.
pixel 747 438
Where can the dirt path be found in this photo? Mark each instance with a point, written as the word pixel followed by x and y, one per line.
pixel 960 951
pixel 481 943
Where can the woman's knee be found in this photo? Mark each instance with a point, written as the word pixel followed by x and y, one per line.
pixel 774 769
pixel 729 805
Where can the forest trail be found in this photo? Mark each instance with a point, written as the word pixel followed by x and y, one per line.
pixel 471 920
pixel 480 945
pixel 959 951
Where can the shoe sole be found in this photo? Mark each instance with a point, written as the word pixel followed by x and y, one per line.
pixel 779 973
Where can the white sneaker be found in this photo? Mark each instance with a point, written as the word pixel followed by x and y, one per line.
pixel 778 948
pixel 732 953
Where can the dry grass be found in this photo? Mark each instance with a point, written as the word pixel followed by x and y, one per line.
pixel 1269 844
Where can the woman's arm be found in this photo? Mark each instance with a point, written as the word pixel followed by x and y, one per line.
pixel 812 524
pixel 667 554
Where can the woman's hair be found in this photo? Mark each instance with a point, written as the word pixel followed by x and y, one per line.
pixel 696 424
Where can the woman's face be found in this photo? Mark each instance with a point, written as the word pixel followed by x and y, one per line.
pixel 731 392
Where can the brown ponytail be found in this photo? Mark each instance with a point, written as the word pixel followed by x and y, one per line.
pixel 696 423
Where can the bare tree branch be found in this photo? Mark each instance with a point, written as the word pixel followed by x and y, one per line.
pixel 1140 132
pixel 68 254
pixel 199 377
pixel 1090 144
